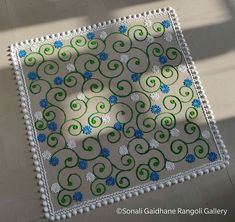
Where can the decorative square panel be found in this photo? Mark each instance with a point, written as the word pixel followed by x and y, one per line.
pixel 114 110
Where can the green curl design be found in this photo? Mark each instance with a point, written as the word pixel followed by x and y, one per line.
pixel 103 113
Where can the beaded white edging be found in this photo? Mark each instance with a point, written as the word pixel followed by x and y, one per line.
pixel 137 190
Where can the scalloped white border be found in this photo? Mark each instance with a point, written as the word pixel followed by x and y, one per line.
pixel 137 190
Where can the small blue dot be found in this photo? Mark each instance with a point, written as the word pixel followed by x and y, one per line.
pixel 77 196
pixel 163 59
pixel 22 53
pixel 122 29
pixel 155 109
pixel 166 23
pixel 41 137
pixel 196 103
pixel 32 75
pixel 212 156
pixel 52 126
pixel 113 99
pixel 110 181
pixel 139 134
pixel 190 158
pixel 83 164
pixel 58 80
pixel 165 88
pixel 104 152
pixel 87 130
pixel 135 77
pixel 90 35
pixel 88 75
pixel 58 44
pixel 188 82
pixel 103 56
pixel 54 161
pixel 44 103
pixel 118 126
pixel 154 176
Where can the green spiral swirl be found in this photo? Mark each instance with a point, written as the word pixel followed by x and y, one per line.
pixel 143 172
pixel 158 29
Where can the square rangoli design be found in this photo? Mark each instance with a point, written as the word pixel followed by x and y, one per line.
pixel 114 110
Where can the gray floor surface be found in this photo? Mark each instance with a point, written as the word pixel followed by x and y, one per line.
pixel 209 28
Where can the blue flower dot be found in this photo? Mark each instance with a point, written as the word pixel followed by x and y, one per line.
pixel 139 134
pixel 166 23
pixel 190 158
pixel 83 164
pixel 113 99
pixel 44 103
pixel 196 103
pixel 88 75
pixel 52 126
pixel 54 161
pixel 41 137
pixel 87 130
pixel 58 44
pixel 32 75
pixel 122 29
pixel 154 176
pixel 104 152
pixel 110 181
pixel 22 53
pixel 103 56
pixel 77 196
pixel 188 82
pixel 212 156
pixel 118 126
pixel 165 88
pixel 58 80
pixel 163 59
pixel 135 77
pixel 155 109
pixel 90 35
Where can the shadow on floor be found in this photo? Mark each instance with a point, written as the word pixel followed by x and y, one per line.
pixel 218 39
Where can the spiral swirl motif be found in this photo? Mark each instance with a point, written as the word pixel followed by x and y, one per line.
pixel 174 54
pixel 78 42
pixel 56 140
pixel 158 29
pixel 40 124
pixel 69 179
pixel 150 83
pixel 170 74
pixel 87 62
pixel 95 46
pixel 39 86
pixel 143 172
pixel 180 149
pixel 112 68
pixel 64 198
pixel 113 107
pixel 201 148
pixel 98 188
pixel 46 50
pixel 118 43
pixel 48 67
pixel 33 59
pixel 123 180
pixel 155 49
pixel 72 128
pixel 73 79
pixel 67 53
pixel 138 32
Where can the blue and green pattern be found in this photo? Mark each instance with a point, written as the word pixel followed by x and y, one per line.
pixel 102 126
